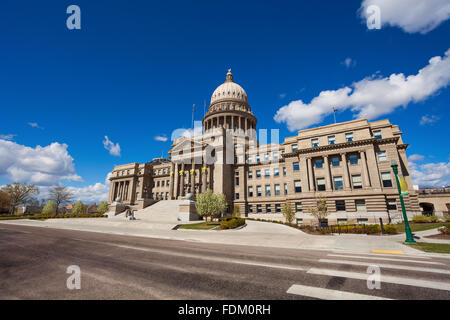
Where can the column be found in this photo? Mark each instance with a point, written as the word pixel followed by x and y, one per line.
pixel 193 179
pixel 310 176
pixel 182 180
pixel 245 126
pixel 327 173
pixel 172 181
pixel 365 177
pixel 347 185
pixel 375 177
pixel 204 180
pixel 232 123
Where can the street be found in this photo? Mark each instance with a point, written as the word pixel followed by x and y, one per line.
pixel 34 262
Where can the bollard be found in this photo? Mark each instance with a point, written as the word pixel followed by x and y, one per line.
pixel 382 227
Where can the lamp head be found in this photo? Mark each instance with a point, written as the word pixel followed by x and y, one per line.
pixel 393 163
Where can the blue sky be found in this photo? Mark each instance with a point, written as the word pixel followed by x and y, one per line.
pixel 135 68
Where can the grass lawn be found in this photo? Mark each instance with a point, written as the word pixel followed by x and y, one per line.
pixel 420 226
pixel 200 226
pixel 431 247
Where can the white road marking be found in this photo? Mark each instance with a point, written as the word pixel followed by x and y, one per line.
pixel 224 260
pixel 384 279
pixel 328 294
pixel 388 266
pixel 382 254
pixel 387 259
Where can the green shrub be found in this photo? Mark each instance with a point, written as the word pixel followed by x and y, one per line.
pixel 49 208
pixel 447 218
pixel 232 224
pixel 390 229
pixel 420 219
pixel 432 219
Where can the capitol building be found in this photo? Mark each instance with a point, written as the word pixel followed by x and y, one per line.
pixel 348 164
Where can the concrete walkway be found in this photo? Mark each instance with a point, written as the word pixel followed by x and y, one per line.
pixel 422 235
pixel 254 234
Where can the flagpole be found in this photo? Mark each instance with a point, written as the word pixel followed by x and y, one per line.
pixel 193 110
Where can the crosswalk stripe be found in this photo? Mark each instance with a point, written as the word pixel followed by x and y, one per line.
pixel 385 265
pixel 383 278
pixel 381 254
pixel 328 294
pixel 386 259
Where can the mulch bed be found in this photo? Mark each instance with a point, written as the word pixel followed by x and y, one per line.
pixel 439 236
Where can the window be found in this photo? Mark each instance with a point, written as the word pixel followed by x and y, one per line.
pixel 391 204
pixel 377 134
pixel 357 184
pixel 236 173
pixel 267 190
pixel 342 220
pixel 331 140
pixel 258 173
pixel 258 158
pixel 386 177
pixel 315 142
pixel 250 174
pixel 294 147
pixel 237 196
pixel 321 184
pixel 278 207
pixel 258 208
pixel 353 159
pixel 276 172
pixel 340 205
pixel 382 156
pixel 298 186
pixel 335 161
pixel 268 209
pixel 162 183
pixel 250 191
pixel 284 171
pixel 338 183
pixel 349 137
pixel 275 155
pixel 167 182
pixel 259 191
pixel 285 189
pixel 237 181
pixel 360 205
pixel 249 159
pixel 267 172
pixel 299 222
pixel 250 208
pixel 298 207
pixel 296 166
pixel 362 220
pixel 319 163
pixel 157 183
pixel 277 189
pixel 266 156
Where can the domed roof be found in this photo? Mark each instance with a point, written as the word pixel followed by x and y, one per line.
pixel 229 90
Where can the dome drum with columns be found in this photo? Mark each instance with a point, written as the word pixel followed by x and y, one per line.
pixel 229 108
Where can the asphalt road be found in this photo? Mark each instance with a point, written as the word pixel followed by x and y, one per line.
pixel 34 262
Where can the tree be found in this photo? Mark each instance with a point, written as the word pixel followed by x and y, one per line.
pixel 78 208
pixel 49 208
pixel 102 207
pixel 209 204
pixel 60 195
pixel 5 202
pixel 288 212
pixel 20 194
pixel 321 211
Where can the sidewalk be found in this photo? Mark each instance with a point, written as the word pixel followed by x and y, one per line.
pixel 254 234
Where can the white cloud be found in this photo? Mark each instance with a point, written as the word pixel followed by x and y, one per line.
pixel 371 97
pixel 428 119
pixel 415 157
pixel 34 125
pixel 349 63
pixel 41 165
pixel 114 149
pixel 430 174
pixel 410 15
pixel 161 138
pixel 283 95
pixel 7 136
pixel 92 193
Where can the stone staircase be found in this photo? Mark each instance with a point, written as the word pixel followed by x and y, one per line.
pixel 162 211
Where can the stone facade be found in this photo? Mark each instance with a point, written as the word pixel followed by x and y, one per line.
pixel 348 163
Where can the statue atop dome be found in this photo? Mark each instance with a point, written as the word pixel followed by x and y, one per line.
pixel 229 76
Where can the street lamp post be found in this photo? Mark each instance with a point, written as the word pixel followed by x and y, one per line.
pixel 409 236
